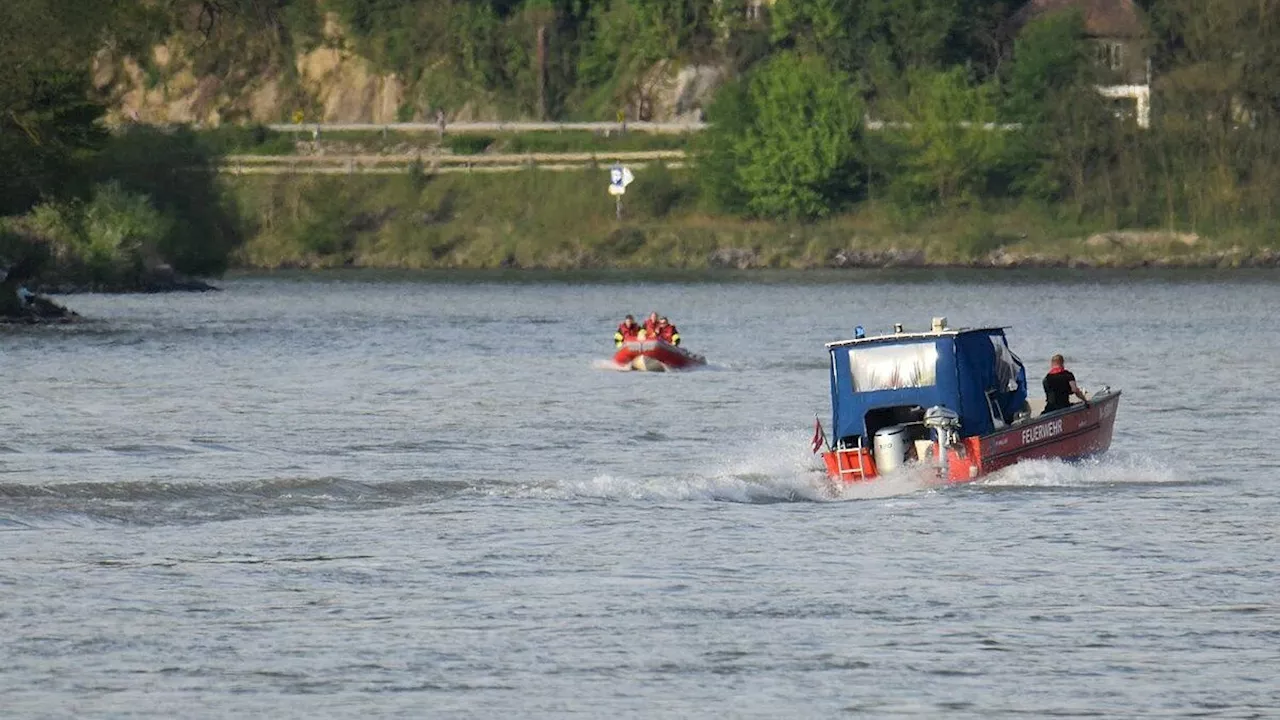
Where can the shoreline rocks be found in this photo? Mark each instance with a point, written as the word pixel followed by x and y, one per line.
pixel 36 309
pixel 29 303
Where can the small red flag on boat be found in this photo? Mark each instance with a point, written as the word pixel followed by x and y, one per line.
pixel 819 436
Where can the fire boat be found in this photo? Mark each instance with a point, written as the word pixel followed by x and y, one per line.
pixel 655 356
pixel 951 399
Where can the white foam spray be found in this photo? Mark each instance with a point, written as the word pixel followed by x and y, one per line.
pixel 608 364
pixel 770 467
pixel 1106 470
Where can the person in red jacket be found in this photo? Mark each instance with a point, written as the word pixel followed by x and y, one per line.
pixel 627 331
pixel 667 332
pixel 651 325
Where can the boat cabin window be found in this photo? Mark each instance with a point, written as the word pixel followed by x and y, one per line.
pixel 893 367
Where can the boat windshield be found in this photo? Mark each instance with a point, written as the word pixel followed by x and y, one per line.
pixel 1006 365
pixel 893 367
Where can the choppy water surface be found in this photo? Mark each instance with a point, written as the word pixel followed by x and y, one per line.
pixel 424 496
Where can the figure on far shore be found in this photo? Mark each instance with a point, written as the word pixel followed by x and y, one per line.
pixel 1060 385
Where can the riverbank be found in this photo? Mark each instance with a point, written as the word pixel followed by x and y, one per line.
pixel 564 220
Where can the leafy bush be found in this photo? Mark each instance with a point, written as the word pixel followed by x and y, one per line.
pixel 628 37
pixel 108 241
pixel 576 141
pixel 253 139
pixel 950 142
pixel 122 231
pixel 716 149
pixel 468 144
pixel 787 144
pixel 176 171
pixel 657 191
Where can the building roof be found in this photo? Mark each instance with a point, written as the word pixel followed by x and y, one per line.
pixel 1102 18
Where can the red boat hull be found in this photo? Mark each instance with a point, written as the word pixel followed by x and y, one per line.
pixel 1072 434
pixel 655 355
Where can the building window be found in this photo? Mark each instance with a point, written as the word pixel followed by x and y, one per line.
pixel 1111 55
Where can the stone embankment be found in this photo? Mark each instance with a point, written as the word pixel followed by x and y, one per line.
pixel 1114 250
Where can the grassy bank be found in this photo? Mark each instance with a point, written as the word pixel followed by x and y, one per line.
pixel 566 220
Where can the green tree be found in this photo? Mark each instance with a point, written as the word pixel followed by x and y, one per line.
pixel 950 138
pixel 48 126
pixel 1050 63
pixel 1068 131
pixel 878 40
pixel 176 172
pixel 627 38
pixel 794 150
pixel 717 148
pixel 48 131
pixel 1216 141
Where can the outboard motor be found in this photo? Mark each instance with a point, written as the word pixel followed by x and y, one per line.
pixel 945 424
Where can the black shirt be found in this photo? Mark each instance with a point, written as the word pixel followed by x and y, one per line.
pixel 1057 390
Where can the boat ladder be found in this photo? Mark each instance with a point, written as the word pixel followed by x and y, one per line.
pixel 860 471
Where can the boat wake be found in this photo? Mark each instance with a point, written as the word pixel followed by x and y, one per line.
pixel 777 469
pixel 769 468
pixel 718 366
pixel 1112 469
pixel 772 468
pixel 806 485
pixel 608 364
pixel 148 503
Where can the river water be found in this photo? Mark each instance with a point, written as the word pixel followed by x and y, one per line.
pixel 343 494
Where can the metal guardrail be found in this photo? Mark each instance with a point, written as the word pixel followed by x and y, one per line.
pixel 460 159
pixel 433 163
pixel 471 128
pixel 397 170
pixel 1141 94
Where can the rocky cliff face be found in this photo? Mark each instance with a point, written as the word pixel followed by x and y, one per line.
pixel 330 83
pixel 677 93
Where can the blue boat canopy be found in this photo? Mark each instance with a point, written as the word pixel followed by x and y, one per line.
pixel 889 380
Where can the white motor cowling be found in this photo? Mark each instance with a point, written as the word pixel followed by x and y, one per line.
pixel 890 446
